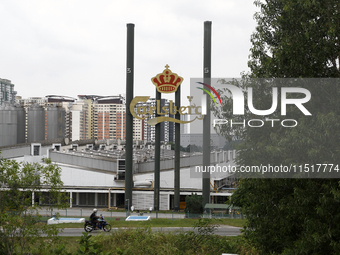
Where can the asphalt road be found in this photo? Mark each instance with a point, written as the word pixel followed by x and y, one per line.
pixel 86 212
pixel 221 231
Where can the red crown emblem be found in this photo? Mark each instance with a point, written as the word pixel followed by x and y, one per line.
pixel 167 82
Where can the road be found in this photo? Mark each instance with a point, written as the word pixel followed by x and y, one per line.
pixel 86 212
pixel 221 231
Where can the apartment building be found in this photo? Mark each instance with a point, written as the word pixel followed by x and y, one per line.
pixel 7 93
pixel 101 117
pixel 167 128
pixel 108 113
pixel 138 127
pixel 80 121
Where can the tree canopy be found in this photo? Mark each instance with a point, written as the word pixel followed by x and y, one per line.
pixel 293 39
pixel 296 38
pixel 19 217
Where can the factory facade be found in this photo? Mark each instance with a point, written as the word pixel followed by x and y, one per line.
pixel 94 174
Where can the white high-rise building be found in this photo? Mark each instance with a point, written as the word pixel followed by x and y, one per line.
pixel 167 128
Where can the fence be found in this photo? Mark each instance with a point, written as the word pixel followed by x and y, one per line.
pixel 107 214
pixel 215 215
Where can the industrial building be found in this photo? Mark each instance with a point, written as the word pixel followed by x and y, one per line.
pixel 93 173
pixel 32 124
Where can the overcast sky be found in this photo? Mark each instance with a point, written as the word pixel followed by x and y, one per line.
pixel 74 47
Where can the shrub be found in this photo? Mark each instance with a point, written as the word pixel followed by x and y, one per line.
pixel 194 204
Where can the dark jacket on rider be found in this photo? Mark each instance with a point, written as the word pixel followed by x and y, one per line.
pixel 94 217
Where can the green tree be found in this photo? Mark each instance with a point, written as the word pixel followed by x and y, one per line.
pixel 193 204
pixel 172 145
pixel 292 216
pixel 296 39
pixel 19 219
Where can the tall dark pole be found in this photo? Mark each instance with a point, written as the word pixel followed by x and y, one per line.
pixel 157 157
pixel 177 151
pixel 129 117
pixel 206 120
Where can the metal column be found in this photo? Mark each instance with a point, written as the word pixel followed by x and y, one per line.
pixel 177 151
pixel 157 157
pixel 129 117
pixel 206 120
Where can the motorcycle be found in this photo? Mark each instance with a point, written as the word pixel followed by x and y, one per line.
pixel 89 226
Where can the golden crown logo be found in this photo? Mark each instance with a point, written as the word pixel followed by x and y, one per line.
pixel 167 82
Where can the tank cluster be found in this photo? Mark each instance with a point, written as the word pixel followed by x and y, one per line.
pixel 32 124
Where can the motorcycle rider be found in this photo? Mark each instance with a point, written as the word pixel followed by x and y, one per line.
pixel 94 217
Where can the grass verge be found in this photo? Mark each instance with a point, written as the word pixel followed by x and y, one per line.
pixel 145 241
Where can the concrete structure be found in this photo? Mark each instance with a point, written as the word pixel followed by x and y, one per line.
pixel 57 114
pixel 216 140
pixel 42 101
pixel 8 125
pixel 21 127
pixel 55 123
pixel 35 123
pixel 96 178
pixel 12 125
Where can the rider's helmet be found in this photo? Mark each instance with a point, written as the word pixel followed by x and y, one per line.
pixel 95 210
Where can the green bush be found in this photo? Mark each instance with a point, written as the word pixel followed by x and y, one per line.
pixel 193 204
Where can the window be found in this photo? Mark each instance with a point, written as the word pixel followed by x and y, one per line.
pixel 36 150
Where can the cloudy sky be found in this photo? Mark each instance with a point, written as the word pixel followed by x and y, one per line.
pixel 74 47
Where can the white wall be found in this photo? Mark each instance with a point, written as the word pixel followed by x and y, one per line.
pixel 85 178
pixel 75 125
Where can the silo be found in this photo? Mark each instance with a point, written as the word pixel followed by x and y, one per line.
pixel 12 125
pixel 21 124
pixel 55 122
pixel 35 123
pixel 8 128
